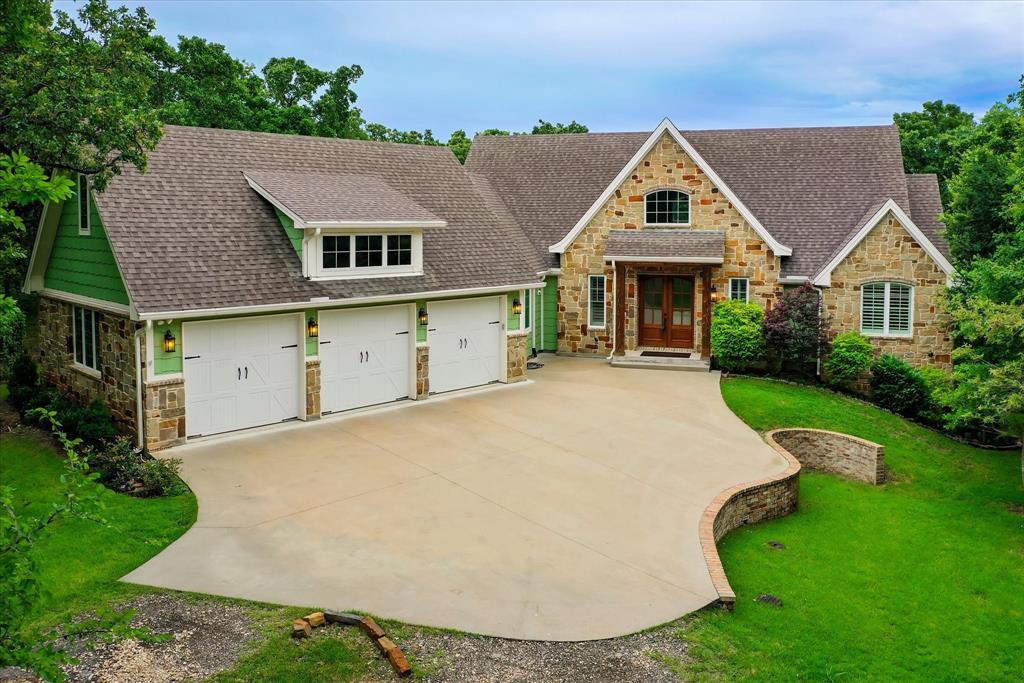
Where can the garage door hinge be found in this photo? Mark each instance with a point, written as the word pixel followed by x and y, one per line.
pixel 325 342
pixel 190 357
pixel 290 346
pixel 406 332
pixel 494 322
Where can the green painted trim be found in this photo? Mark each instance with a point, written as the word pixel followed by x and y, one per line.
pixel 167 363
pixel 83 264
pixel 550 340
pixel 294 234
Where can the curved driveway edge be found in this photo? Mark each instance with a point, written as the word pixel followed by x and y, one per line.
pixel 562 509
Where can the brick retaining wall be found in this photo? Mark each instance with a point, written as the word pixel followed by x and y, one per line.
pixel 841 454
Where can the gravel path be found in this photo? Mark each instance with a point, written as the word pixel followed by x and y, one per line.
pixel 207 637
pixel 454 658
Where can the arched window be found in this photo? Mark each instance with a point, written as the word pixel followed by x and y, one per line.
pixel 667 207
pixel 887 309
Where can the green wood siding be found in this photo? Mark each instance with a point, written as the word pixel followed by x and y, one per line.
pixel 294 234
pixel 513 319
pixel 312 343
pixel 550 327
pixel 421 330
pixel 167 363
pixel 83 264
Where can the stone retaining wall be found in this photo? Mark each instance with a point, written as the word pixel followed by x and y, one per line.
pixel 841 454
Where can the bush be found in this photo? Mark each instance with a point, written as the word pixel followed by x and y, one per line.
pixel 939 385
pixel 795 329
pixel 897 386
pixel 125 468
pixel 737 334
pixel 849 359
pixel 12 335
pixel 23 382
pixel 93 423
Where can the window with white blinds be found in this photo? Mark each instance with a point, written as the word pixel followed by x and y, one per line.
pixel 886 308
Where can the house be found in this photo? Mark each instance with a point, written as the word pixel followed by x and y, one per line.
pixel 251 278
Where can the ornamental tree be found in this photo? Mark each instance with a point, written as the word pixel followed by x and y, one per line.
pixel 795 329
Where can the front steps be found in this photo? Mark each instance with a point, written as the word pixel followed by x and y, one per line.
pixel 661 363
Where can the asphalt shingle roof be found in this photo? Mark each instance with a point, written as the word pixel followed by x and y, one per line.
pixel 338 196
pixel 699 244
pixel 809 187
pixel 190 234
pixel 926 207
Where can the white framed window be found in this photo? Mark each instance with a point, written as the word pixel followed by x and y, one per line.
pixel 84 215
pixel 887 309
pixel 596 301
pixel 86 338
pixel 362 254
pixel 739 289
pixel 667 207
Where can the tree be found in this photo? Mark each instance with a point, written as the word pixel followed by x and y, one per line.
pixel 933 139
pixel 75 95
pixel 795 329
pixel 459 143
pixel 546 128
pixel 381 133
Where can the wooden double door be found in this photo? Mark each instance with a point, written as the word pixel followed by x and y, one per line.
pixel 666 310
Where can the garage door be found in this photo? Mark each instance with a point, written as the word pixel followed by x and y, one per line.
pixel 241 373
pixel 465 343
pixel 365 357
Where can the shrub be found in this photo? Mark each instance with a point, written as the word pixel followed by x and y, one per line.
pixel 795 330
pixel 897 386
pixel 849 359
pixel 125 468
pixel 737 334
pixel 92 423
pixel 12 335
pixel 23 382
pixel 939 385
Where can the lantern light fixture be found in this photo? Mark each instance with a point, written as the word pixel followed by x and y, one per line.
pixel 313 328
pixel 517 306
pixel 421 317
pixel 170 342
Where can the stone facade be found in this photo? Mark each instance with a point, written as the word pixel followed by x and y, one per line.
pixel 517 356
pixel 116 381
pixel 165 413
pixel 313 389
pixel 666 166
pixel 842 454
pixel 889 253
pixel 422 371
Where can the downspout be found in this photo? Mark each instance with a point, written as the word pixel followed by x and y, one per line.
pixel 139 421
pixel 615 309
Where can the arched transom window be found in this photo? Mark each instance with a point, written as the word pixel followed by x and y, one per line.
pixel 667 207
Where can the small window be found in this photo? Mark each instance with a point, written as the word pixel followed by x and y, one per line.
pixel 665 207
pixel 399 250
pixel 597 298
pixel 369 251
pixel 886 308
pixel 337 252
pixel 86 338
pixel 84 219
pixel 527 316
pixel 739 289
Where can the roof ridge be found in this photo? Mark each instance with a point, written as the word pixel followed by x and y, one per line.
pixel 260 133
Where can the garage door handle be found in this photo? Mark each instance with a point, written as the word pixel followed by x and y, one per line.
pixel 239 373
pixel 360 356
pixel 247 372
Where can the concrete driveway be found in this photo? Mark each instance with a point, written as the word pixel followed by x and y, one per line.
pixel 565 508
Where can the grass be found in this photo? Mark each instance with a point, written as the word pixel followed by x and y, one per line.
pixel 81 560
pixel 919 579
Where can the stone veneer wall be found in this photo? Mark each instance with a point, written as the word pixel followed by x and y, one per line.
pixel 116 383
pixel 666 166
pixel 422 371
pixel 841 454
pixel 517 356
pixel 889 253
pixel 165 413
pixel 312 389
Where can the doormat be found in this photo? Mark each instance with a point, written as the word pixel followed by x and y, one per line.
pixel 664 354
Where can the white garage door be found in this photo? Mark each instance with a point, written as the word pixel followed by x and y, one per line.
pixel 465 343
pixel 241 373
pixel 365 357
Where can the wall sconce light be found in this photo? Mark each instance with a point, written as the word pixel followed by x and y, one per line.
pixel 714 294
pixel 313 328
pixel 421 317
pixel 517 306
pixel 170 343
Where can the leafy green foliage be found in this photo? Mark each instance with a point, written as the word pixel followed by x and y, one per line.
pixel 849 359
pixel 125 468
pixel 897 386
pixel 547 128
pixel 12 334
pixel 938 386
pixel 934 138
pixel 737 335
pixel 795 329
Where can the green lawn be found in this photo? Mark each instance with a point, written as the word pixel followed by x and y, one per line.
pixel 920 579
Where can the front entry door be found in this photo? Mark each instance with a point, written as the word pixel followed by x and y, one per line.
pixel 666 311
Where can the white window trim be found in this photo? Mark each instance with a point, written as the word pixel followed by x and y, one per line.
pixel 604 302
pixel 689 208
pixel 318 272
pixel 525 319
pixel 82 367
pixel 85 231
pixel 885 333
pixel 746 290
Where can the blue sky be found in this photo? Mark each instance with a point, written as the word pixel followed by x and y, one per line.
pixel 624 66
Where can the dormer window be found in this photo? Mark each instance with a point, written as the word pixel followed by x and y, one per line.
pixel 355 254
pixel 667 207
pixel 84 217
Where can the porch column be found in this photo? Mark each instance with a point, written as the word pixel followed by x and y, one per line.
pixel 619 347
pixel 705 308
